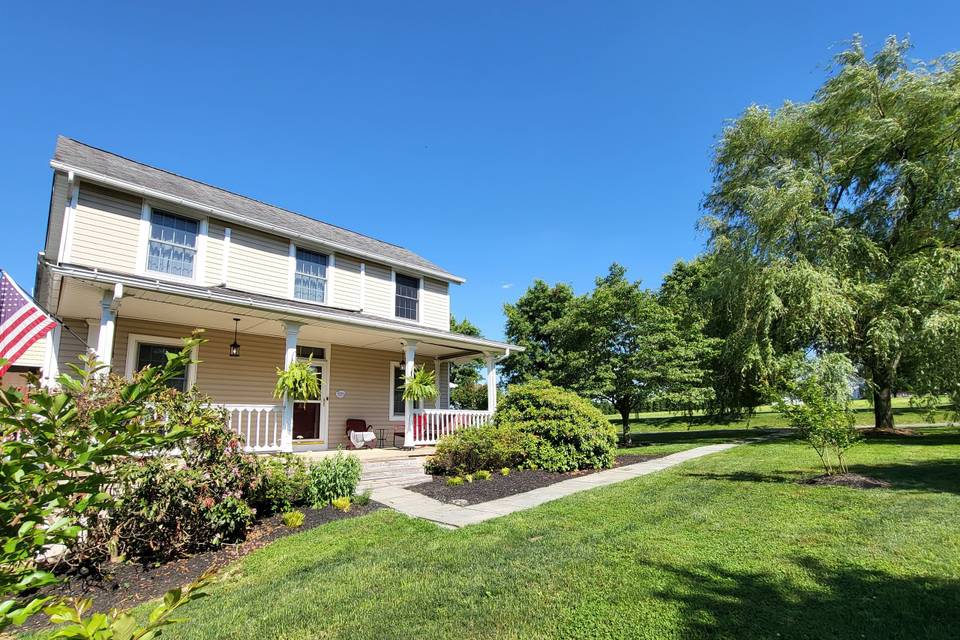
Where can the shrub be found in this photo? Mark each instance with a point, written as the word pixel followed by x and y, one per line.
pixel 60 451
pixel 570 432
pixel 483 474
pixel 484 447
pixel 168 507
pixel 819 408
pixel 363 499
pixel 285 484
pixel 455 481
pixel 293 519
pixel 342 503
pixel 333 477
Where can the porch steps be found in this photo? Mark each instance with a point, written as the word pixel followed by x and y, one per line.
pixel 392 473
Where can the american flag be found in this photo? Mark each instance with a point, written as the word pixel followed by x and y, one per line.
pixel 22 322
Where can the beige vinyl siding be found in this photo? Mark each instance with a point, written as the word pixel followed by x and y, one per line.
pixel 248 379
pixel 214 259
pixel 346 282
pixel 364 376
pixel 71 347
pixel 435 304
pixel 106 229
pixel 58 205
pixel 443 385
pixel 378 291
pixel 259 263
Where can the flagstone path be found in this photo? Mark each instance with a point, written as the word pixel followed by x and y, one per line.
pixel 388 481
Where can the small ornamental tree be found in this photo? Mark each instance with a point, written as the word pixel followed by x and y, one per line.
pixel 816 403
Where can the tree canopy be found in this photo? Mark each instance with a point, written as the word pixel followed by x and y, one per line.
pixel 835 226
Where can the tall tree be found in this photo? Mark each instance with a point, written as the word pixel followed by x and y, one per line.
pixel 835 224
pixel 532 324
pixel 466 391
pixel 623 346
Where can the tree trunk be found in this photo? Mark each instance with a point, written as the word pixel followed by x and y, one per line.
pixel 625 421
pixel 883 399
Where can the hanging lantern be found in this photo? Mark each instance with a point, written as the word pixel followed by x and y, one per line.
pixel 235 346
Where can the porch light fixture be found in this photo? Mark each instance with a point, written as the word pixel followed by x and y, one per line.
pixel 235 346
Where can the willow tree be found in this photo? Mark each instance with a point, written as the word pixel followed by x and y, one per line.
pixel 834 224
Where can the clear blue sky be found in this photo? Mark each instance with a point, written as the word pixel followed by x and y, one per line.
pixel 505 141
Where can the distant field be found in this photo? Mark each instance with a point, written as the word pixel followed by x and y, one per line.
pixel 764 418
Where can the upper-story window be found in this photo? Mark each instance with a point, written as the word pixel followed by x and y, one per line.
pixel 310 279
pixel 173 244
pixel 408 297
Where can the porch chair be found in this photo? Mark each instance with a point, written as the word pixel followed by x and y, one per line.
pixel 364 434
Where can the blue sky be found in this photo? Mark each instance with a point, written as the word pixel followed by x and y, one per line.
pixel 505 141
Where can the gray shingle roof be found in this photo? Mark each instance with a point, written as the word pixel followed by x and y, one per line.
pixel 80 156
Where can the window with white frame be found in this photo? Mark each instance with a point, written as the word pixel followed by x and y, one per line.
pixel 396 392
pixel 407 297
pixel 173 244
pixel 155 355
pixel 310 277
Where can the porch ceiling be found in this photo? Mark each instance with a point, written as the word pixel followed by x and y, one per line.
pixel 81 298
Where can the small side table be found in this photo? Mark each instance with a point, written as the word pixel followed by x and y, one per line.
pixel 381 437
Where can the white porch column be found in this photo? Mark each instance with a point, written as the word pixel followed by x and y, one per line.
pixel 409 356
pixel 289 357
pixel 109 305
pixel 491 362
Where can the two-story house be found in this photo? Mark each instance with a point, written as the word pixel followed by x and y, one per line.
pixel 137 257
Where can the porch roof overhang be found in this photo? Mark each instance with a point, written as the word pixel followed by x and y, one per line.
pixel 144 296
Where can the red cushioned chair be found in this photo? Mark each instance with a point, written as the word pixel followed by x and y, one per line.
pixel 356 424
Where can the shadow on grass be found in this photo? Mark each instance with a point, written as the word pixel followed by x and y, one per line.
pixel 712 435
pixel 936 436
pixel 938 476
pixel 844 602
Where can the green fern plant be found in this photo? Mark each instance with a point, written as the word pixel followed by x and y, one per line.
pixel 422 385
pixel 298 381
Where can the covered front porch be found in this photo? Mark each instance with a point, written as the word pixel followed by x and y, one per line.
pixel 360 360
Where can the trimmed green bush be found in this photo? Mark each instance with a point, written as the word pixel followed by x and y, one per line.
pixel 485 447
pixel 570 432
pixel 333 477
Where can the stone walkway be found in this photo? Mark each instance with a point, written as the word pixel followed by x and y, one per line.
pixel 394 495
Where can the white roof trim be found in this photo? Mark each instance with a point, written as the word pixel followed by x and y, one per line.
pixel 481 344
pixel 227 215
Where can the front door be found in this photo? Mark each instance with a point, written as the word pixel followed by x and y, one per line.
pixel 310 417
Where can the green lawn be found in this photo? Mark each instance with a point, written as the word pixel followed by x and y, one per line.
pixel 765 417
pixel 727 546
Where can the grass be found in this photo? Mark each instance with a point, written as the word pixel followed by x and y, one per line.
pixel 727 546
pixel 766 417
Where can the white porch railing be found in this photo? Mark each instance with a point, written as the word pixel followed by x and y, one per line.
pixel 430 424
pixel 260 425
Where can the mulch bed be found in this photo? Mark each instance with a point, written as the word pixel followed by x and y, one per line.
pixel 853 480
pixel 499 486
pixel 128 584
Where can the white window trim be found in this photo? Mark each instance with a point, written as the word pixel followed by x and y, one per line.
pixel 390 416
pixel 292 274
pixel 199 265
pixel 135 339
pixel 393 297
